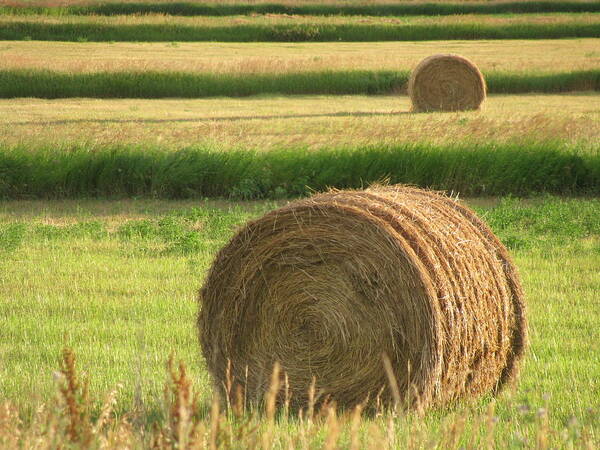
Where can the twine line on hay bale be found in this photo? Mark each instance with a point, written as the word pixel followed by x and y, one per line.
pixel 446 83
pixel 334 286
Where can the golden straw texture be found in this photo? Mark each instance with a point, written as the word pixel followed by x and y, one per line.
pixel 331 286
pixel 446 83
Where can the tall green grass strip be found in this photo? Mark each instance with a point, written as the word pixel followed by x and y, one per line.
pixel 326 9
pixel 97 32
pixel 485 169
pixel 48 84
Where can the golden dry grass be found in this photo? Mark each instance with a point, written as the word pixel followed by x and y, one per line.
pixel 285 19
pixel 312 121
pixel 510 55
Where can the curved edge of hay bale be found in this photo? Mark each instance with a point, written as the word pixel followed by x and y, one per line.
pixel 520 336
pixel 446 82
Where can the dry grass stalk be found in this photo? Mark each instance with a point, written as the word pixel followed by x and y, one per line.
pixel 355 428
pixel 182 405
pixel 446 83
pixel 271 404
pixel 10 432
pixel 389 371
pixel 333 429
pixel 75 395
pixel 325 286
pixel 49 428
pixel 215 423
pixel 107 410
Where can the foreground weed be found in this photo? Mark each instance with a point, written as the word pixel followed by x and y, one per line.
pixel 11 237
pixel 76 401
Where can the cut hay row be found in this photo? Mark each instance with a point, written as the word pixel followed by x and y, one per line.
pixel 525 56
pixel 391 295
pixel 151 84
pixel 286 32
pixel 446 83
pixel 325 8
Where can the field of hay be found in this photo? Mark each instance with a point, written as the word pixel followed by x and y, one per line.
pixel 137 137
pixel 271 122
pixel 512 56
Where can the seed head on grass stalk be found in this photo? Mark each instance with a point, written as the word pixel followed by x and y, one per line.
pixel 182 405
pixel 75 396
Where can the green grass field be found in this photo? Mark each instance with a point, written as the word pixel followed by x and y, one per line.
pixel 489 169
pixel 45 84
pixel 117 282
pixel 279 147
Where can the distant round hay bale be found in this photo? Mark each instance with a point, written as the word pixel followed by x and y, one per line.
pixel 446 83
pixel 327 286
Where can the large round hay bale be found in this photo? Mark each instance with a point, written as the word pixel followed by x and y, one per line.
pixel 446 83
pixel 332 285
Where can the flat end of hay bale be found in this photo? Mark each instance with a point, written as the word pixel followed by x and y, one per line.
pixel 446 82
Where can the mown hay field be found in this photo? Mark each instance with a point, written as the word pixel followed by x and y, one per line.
pixel 122 175
pixel 544 56
pixel 278 19
pixel 192 70
pixel 272 122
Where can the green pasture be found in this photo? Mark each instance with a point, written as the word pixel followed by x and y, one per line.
pixel 117 281
pixel 148 84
